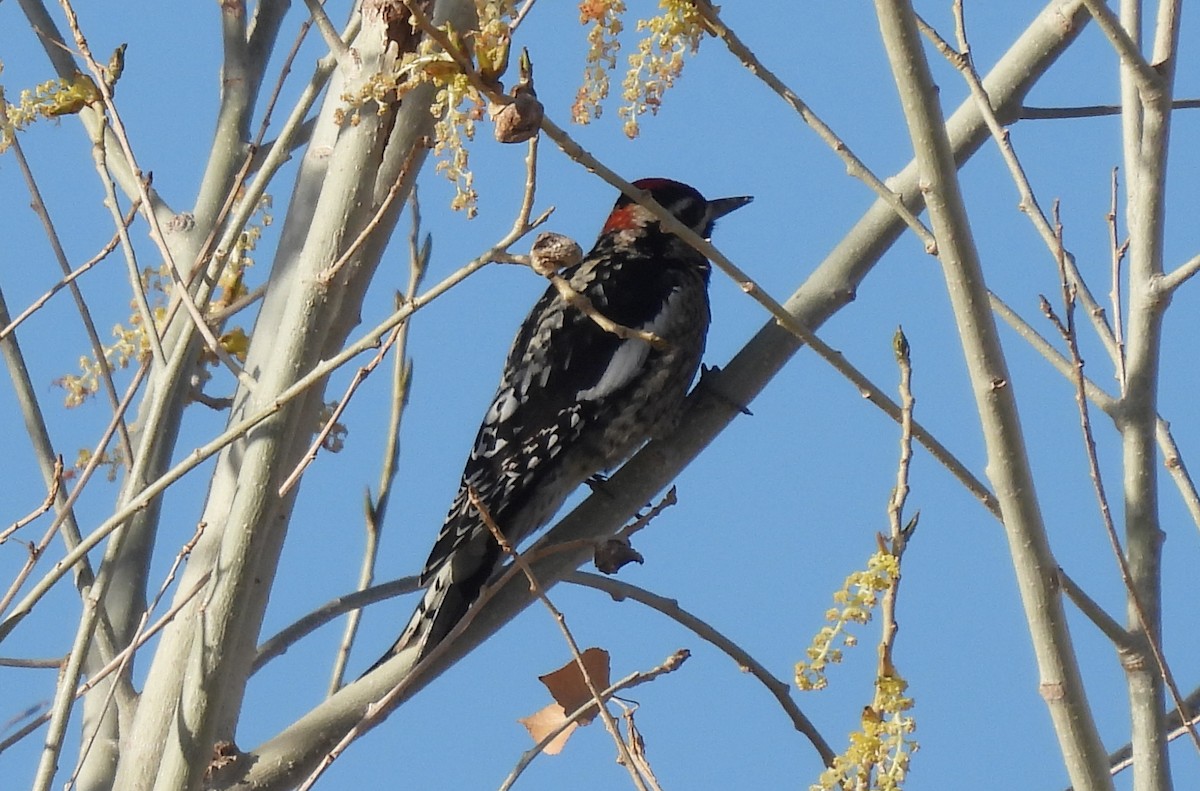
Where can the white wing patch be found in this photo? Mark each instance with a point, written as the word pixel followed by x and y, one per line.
pixel 502 408
pixel 489 443
pixel 631 354
pixel 488 446
pixel 623 366
pixel 531 374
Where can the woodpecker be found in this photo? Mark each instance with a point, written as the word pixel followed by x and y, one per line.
pixel 576 399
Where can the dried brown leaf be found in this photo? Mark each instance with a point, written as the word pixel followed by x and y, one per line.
pixel 568 686
pixel 544 722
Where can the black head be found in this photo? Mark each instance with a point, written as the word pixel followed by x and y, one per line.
pixel 686 203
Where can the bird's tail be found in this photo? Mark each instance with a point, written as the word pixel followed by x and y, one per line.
pixel 444 604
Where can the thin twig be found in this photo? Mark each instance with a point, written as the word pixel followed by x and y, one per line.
pixel 1105 402
pixel 359 377
pixel 331 271
pixel 1118 254
pixel 281 641
pixel 899 496
pixel 1095 613
pixel 26 663
pixel 585 306
pixel 1180 275
pixel 1173 461
pixel 520 17
pixel 887 704
pixel 69 278
pixel 46 505
pixel 779 689
pixel 238 305
pixel 1091 110
pixel 376 509
pixel 1150 635
pixel 669 499
pixel 137 286
pixel 519 561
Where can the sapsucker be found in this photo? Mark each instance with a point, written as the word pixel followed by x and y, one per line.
pixel 576 399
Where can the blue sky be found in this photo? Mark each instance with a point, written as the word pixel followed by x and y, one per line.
pixel 782 506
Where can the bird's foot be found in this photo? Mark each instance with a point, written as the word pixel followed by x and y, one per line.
pixel 707 376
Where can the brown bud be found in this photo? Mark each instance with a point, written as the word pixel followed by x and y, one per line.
pixel 552 252
pixel 520 120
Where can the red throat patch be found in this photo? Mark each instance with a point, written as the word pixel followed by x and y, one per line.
pixel 621 219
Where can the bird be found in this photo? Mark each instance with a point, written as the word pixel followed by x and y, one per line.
pixel 576 399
